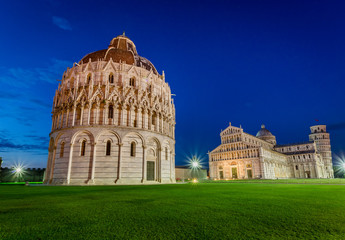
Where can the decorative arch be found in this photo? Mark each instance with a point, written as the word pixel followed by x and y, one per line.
pixel 88 133
pixel 138 135
pixel 108 131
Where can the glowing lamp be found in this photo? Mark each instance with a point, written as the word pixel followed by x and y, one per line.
pixel 195 164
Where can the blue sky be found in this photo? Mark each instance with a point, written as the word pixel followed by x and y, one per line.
pixel 281 63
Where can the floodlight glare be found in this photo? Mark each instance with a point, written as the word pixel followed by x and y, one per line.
pixel 18 170
pixel 195 164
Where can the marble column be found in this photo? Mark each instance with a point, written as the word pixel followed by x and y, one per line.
pixel 73 119
pixel 70 163
pixel 144 165
pixel 93 163
pixel 119 163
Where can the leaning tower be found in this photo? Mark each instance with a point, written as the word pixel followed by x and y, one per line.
pixel 113 121
pixel 320 136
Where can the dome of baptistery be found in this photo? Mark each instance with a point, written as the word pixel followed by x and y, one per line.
pixel 266 135
pixel 113 121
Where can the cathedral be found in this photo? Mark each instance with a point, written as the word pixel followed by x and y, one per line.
pixel 113 121
pixel 244 156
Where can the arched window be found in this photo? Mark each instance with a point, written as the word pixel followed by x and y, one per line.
pixel 83 146
pixel 166 153
pixel 111 78
pixel 133 149
pixel 107 152
pixel 132 82
pixel 62 149
pixel 88 79
pixel 296 167
pixel 111 111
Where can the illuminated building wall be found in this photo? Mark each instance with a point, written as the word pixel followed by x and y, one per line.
pixel 243 156
pixel 113 121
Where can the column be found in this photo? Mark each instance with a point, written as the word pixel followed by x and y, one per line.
pixel 70 163
pixel 105 114
pixel 157 123
pixel 119 163
pixel 89 114
pixel 145 119
pixel 124 116
pixel 115 115
pixel 139 118
pixel 93 163
pixel 172 167
pixel 97 113
pixel 52 165
pixel 159 165
pixel 149 120
pixel 129 114
pixel 120 116
pixel 73 119
pixel 144 165
pixel 81 114
pixel 67 117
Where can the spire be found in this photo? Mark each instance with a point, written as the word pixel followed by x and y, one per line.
pixel 262 125
pixel 123 34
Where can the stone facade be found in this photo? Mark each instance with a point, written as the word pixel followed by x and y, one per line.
pixel 243 156
pixel 113 121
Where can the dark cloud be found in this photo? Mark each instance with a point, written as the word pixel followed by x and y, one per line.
pixel 20 77
pixel 62 23
pixel 6 144
pixel 39 139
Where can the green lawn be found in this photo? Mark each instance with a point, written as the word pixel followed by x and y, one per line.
pixel 180 211
pixel 295 181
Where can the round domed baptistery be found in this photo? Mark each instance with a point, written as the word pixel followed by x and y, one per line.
pixel 113 121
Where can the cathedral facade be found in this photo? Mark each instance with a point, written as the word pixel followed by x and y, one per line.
pixel 244 156
pixel 113 121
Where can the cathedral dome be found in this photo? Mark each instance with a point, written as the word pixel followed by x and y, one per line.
pixel 263 132
pixel 266 135
pixel 120 49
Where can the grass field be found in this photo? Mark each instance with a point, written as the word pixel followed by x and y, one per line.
pixel 288 181
pixel 180 211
